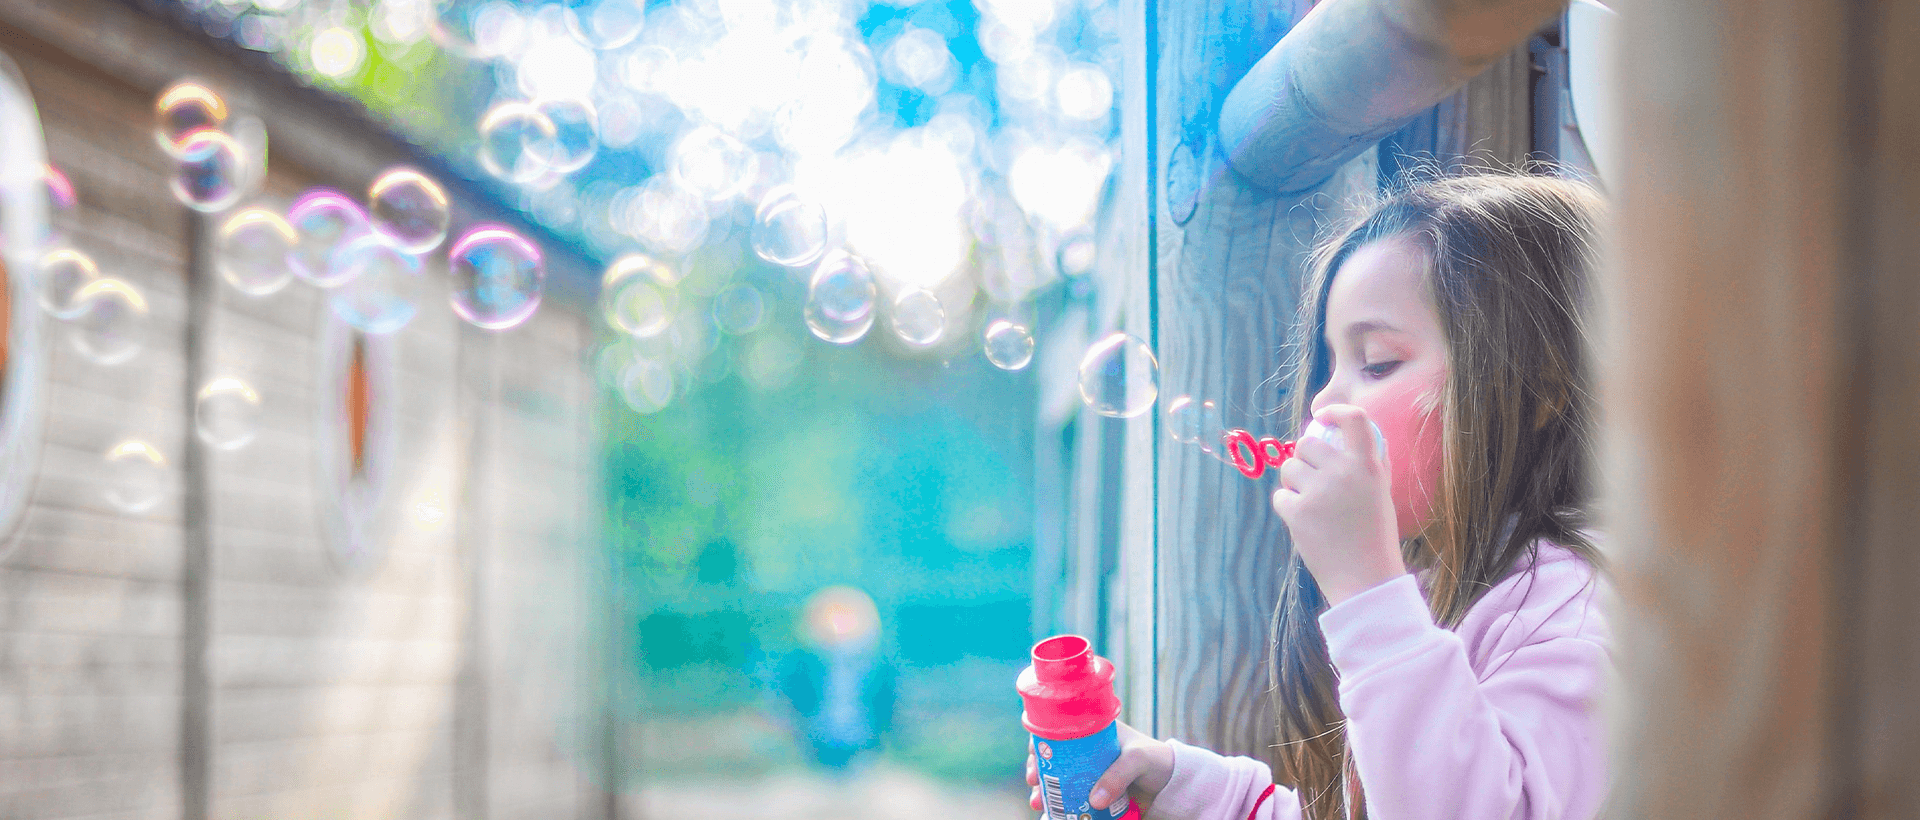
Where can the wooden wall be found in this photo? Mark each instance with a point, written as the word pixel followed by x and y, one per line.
pixel 211 658
pixel 1761 385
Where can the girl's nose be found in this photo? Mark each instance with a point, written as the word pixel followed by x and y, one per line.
pixel 1331 394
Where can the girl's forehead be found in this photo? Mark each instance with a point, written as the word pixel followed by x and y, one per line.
pixel 1382 281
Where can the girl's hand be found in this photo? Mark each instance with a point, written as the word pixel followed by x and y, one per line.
pixel 1141 771
pixel 1338 505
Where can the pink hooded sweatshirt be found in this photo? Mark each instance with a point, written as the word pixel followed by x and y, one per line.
pixel 1496 719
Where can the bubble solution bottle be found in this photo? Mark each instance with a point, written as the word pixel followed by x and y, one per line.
pixel 1071 710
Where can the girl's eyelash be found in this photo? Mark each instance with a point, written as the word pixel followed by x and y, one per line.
pixel 1379 369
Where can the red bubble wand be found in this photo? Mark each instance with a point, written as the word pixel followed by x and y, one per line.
pixel 1253 455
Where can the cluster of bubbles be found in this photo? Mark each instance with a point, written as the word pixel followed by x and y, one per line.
pixel 371 261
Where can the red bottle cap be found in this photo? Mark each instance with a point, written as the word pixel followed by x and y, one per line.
pixel 1068 690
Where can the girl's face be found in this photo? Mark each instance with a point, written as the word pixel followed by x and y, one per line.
pixel 1390 359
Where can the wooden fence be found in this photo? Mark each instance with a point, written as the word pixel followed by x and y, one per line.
pixel 214 657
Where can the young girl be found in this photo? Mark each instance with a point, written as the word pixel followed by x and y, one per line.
pixel 1438 649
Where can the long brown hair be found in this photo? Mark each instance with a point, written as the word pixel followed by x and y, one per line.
pixel 1508 256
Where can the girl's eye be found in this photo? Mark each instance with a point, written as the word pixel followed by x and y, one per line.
pixel 1379 370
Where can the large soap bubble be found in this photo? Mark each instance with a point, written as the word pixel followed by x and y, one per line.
pixel 1119 377
pixel 251 251
pixel 840 299
pixel 324 220
pixel 383 284
pixel 497 277
pixel 411 208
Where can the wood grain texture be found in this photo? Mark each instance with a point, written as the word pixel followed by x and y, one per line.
pixel 1228 278
pixel 1758 391
pixel 331 693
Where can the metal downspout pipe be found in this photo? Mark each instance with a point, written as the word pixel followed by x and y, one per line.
pixel 1352 71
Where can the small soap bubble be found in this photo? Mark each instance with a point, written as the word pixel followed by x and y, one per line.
pixel 712 164
pixel 1077 253
pixel 323 220
pixel 208 171
pixel 517 141
pixel 1009 346
pixel 497 277
pixel 252 251
pixel 840 299
pixel 382 287
pixel 409 207
pixel 646 385
pixel 918 319
pixel 636 295
pixel 1210 428
pixel 111 322
pixel 576 135
pixel 739 309
pixel 136 476
pixel 1119 378
pixel 184 109
pixel 226 413
pixel 1183 420
pixel 606 24
pixel 63 275
pixel 789 229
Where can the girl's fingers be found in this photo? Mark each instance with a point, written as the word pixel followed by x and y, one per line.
pixel 1314 451
pixel 1354 426
pixel 1113 784
pixel 1033 799
pixel 1293 471
pixel 1033 771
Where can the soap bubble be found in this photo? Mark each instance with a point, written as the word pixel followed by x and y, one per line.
pixel 209 170
pixel 712 164
pixel 576 135
pixel 226 413
pixel 411 208
pixel 516 141
pixel 918 319
pixel 1211 428
pixel 1119 377
pixel 788 229
pixel 1009 346
pixel 497 276
pixel 184 109
pixel 383 284
pixel 324 220
pixel 840 299
pixel 1183 420
pixel 110 324
pixel 63 275
pixel 1077 253
pixel 739 309
pixel 136 476
pixel 252 251
pixel 646 385
pixel 636 296
pixel 606 24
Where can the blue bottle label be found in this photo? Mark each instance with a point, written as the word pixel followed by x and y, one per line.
pixel 1068 770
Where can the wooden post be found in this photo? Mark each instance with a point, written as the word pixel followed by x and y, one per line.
pixel 1761 376
pixel 1227 274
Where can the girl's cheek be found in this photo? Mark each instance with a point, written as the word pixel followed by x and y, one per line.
pixel 1413 447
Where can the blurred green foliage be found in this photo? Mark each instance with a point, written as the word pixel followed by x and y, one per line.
pixel 907 476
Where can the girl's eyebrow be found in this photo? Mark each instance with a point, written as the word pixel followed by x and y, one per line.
pixel 1366 326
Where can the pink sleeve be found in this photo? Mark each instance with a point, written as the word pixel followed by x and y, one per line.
pixel 1207 786
pixel 1433 738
